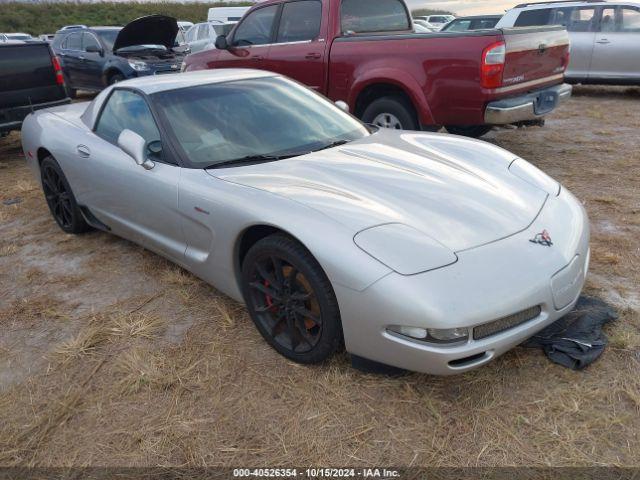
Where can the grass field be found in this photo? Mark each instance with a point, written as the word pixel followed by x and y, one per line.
pixel 110 355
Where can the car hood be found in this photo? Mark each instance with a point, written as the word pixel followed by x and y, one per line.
pixel 149 30
pixel 458 191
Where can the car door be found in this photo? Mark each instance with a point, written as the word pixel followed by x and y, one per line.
pixel 135 202
pixel 91 62
pixel 300 44
pixel 581 23
pixel 70 53
pixel 616 53
pixel 250 40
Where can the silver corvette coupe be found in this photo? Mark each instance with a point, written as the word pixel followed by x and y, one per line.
pixel 427 252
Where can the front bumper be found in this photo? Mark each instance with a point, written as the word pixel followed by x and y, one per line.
pixel 528 107
pixel 487 283
pixel 11 118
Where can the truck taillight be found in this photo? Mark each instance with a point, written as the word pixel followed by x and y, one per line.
pixel 57 70
pixel 566 58
pixel 492 68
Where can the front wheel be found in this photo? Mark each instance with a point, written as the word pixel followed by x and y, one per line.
pixel 115 78
pixel 60 199
pixel 291 300
pixel 473 131
pixel 393 112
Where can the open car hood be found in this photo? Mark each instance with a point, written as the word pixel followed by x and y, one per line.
pixel 149 30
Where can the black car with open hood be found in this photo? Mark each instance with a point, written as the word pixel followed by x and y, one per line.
pixel 94 57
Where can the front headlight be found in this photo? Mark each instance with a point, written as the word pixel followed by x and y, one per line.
pixel 404 249
pixel 533 175
pixel 138 65
pixel 432 335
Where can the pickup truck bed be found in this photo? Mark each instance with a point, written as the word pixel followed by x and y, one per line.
pixel 466 81
pixel 30 79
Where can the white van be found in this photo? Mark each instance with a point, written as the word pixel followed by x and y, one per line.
pixel 226 14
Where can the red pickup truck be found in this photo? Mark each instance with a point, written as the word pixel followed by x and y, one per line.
pixel 367 54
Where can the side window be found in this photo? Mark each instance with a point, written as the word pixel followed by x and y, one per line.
pixel 300 21
pixel 608 20
pixel 126 109
pixel 581 20
pixel 203 31
pixel 73 42
pixel 255 29
pixel 630 21
pixel 365 16
pixel 89 40
pixel 190 35
pixel 537 17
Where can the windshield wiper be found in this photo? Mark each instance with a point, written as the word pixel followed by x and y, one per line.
pixel 251 159
pixel 337 143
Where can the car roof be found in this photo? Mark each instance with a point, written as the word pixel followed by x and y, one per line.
pixel 473 17
pixel 160 83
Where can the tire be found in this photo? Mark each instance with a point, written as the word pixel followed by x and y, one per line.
pixel 60 199
pixel 71 92
pixel 474 131
pixel 115 78
pixel 396 111
pixel 296 310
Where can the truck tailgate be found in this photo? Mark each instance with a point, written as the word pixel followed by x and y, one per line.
pixel 535 57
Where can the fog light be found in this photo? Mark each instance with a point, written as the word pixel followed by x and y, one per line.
pixel 448 334
pixel 413 332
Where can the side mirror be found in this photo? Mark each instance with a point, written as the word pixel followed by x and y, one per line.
pixel 93 49
pixel 342 106
pixel 136 147
pixel 221 42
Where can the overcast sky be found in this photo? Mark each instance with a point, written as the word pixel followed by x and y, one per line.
pixel 465 7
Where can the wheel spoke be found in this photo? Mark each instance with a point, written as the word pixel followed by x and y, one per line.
pixel 266 290
pixel 262 271
pixel 304 312
pixel 291 330
pixel 266 308
pixel 277 265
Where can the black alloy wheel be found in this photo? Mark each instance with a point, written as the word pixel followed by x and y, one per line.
pixel 291 300
pixel 60 199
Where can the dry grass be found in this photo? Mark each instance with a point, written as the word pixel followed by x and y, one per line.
pixel 132 361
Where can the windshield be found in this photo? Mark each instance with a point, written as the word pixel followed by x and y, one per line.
pixel 261 117
pixel 108 37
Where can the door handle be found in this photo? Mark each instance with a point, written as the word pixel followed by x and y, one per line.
pixel 83 151
pixel 257 57
pixel 81 58
pixel 312 56
pixel 604 41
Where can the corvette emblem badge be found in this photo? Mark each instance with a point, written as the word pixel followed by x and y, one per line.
pixel 542 238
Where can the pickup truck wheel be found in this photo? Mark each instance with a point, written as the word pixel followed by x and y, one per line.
pixel 474 131
pixel 391 112
pixel 60 199
pixel 291 300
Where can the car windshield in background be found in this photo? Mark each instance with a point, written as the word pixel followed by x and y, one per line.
pixel 108 37
pixel 364 16
pixel 263 117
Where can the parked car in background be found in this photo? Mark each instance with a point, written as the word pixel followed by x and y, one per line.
pixel 368 55
pixel 22 37
pixel 47 37
pixel 423 26
pixel 331 232
pixel 226 14
pixel 202 36
pixel 30 79
pixel 436 21
pixel 184 25
pixel 95 57
pixel 466 24
pixel 605 37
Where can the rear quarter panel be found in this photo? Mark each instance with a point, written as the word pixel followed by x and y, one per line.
pixel 440 72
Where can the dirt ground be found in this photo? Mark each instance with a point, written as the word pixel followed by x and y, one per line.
pixel 109 355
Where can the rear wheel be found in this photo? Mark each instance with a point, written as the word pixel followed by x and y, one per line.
pixel 290 299
pixel 393 112
pixel 474 131
pixel 60 199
